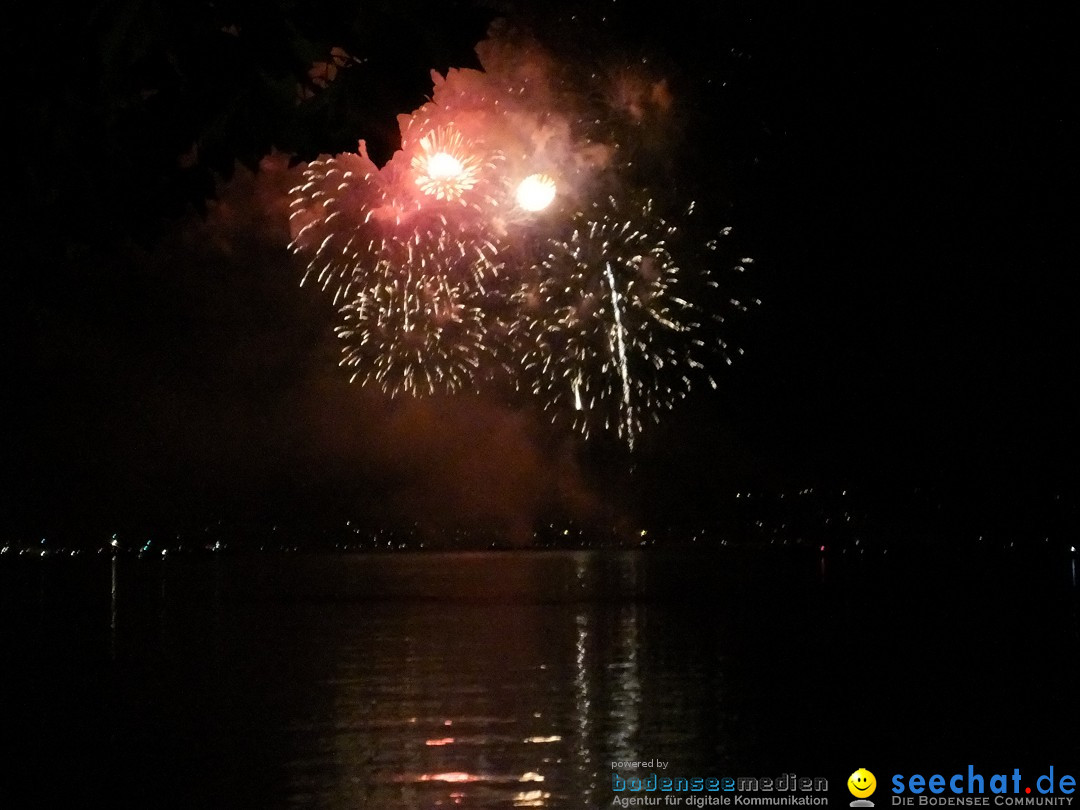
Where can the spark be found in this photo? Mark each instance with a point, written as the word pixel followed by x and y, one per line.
pixel 445 167
pixel 536 192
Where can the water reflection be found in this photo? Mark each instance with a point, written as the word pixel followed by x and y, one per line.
pixel 479 704
pixel 435 705
pixel 582 709
pixel 508 680
pixel 626 692
pixel 583 759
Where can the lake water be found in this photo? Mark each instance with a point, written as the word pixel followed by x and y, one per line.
pixel 515 679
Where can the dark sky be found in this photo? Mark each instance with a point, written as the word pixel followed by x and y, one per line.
pixel 911 211
pixel 901 176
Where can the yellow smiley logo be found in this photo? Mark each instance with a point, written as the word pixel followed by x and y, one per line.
pixel 861 783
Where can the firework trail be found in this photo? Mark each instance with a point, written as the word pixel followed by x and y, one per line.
pixel 507 233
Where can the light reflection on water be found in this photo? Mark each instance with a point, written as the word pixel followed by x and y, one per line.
pixel 438 704
pixel 511 680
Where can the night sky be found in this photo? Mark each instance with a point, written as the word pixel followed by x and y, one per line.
pixel 901 176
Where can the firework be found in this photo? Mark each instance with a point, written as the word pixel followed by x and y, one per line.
pixel 351 220
pixel 604 333
pixel 445 167
pixel 405 264
pixel 413 334
pixel 330 213
pixel 507 233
